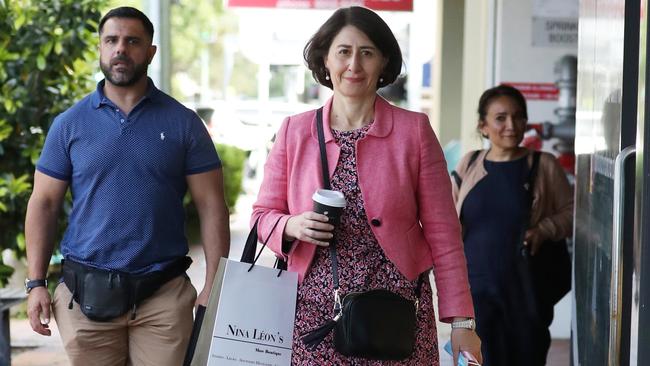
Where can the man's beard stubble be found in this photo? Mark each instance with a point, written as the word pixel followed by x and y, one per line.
pixel 132 77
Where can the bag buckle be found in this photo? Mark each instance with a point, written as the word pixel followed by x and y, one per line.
pixel 337 302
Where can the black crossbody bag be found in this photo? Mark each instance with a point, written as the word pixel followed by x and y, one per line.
pixel 104 295
pixel 376 324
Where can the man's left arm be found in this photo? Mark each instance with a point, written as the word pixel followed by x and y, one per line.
pixel 208 196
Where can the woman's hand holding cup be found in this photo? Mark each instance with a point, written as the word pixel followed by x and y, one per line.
pixel 317 226
pixel 310 227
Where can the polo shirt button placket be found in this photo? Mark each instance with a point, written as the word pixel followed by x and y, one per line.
pixel 123 122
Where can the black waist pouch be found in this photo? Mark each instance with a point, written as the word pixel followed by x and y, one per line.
pixel 104 295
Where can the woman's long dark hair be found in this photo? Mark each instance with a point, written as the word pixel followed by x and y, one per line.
pixel 502 90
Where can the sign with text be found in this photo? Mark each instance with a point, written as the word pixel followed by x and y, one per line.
pixel 250 317
pixel 536 91
pixel 555 32
pixel 392 5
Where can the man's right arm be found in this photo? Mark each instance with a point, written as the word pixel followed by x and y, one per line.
pixel 40 230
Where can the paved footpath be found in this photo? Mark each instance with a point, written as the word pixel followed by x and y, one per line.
pixel 31 349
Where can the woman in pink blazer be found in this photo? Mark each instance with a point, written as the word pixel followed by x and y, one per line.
pixel 400 219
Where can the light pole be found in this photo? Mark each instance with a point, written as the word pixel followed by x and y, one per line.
pixel 160 68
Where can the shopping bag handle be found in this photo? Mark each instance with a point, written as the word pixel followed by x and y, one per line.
pixel 251 244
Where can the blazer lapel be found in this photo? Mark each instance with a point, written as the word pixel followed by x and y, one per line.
pixel 383 124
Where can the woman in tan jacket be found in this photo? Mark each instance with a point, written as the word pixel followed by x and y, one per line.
pixel 494 205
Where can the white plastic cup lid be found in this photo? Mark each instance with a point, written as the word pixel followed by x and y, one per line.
pixel 329 198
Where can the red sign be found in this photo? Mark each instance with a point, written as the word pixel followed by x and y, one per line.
pixel 393 5
pixel 537 91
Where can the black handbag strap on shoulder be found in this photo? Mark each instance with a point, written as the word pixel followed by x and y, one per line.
pixel 332 246
pixel 323 152
pixel 529 185
pixel 327 185
pixel 532 176
pixel 472 159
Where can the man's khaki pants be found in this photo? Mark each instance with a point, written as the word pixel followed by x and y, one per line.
pixel 158 336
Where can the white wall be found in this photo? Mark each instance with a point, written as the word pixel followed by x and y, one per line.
pixel 517 59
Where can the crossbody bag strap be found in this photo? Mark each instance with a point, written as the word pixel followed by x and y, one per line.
pixel 323 151
pixel 418 287
pixel 332 246
pixel 313 338
pixel 326 185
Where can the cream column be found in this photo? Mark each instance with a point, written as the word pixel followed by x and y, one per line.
pixel 447 70
pixel 478 66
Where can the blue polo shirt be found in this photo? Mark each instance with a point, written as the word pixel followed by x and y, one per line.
pixel 127 175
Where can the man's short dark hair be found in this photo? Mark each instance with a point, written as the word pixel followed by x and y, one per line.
pixel 128 12
pixel 368 22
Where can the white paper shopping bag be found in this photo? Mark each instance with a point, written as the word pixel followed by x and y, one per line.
pixel 250 317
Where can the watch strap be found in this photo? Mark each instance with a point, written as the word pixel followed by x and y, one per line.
pixel 31 284
pixel 466 324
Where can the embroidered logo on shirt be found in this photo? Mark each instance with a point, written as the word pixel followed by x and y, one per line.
pixel 162 136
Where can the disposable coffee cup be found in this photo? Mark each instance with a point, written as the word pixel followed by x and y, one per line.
pixel 329 203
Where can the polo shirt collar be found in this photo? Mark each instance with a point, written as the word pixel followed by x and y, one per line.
pixel 99 99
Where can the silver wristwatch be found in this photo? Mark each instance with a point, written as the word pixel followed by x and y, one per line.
pixel 465 324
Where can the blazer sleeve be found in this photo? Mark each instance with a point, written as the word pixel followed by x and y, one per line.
pixel 272 202
pixel 441 228
pixel 557 222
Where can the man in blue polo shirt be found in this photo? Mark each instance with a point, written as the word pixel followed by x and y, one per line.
pixel 128 152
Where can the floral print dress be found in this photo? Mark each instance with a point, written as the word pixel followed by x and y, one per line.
pixel 362 266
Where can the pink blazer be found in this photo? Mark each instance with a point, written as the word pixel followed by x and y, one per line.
pixel 405 187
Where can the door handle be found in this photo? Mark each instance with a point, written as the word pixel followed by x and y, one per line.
pixel 616 282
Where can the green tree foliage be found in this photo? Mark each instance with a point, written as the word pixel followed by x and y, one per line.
pixel 48 53
pixel 232 165
pixel 117 3
pixel 196 30
pixel 232 161
pixel 202 25
pixel 244 80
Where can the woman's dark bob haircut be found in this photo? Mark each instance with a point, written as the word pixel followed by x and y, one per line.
pixel 501 91
pixel 367 22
